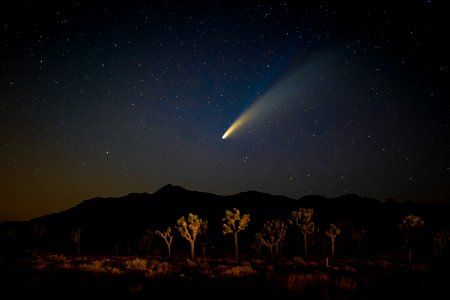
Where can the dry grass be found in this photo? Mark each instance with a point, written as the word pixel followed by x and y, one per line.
pixel 136 264
pixel 306 282
pixel 292 277
pixel 234 271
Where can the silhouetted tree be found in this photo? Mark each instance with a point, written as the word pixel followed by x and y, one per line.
pixel 203 241
pixel 358 236
pixel 267 241
pixel 440 238
pixel 168 237
pixel 146 240
pixel 75 238
pixel 38 230
pixel 191 228
pixel 235 223
pixel 116 246
pixel 301 220
pixel 257 244
pixel 205 244
pixel 408 228
pixel 350 238
pixel 332 233
pixel 272 235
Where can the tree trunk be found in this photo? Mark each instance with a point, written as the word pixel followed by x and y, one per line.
pixel 192 249
pixel 410 255
pixel 168 250
pixel 281 248
pixel 332 248
pixel 236 246
pixel 305 244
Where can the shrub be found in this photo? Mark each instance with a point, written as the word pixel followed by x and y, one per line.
pixel 136 264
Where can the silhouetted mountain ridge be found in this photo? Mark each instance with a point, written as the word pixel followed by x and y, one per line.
pixel 171 200
pixel 104 221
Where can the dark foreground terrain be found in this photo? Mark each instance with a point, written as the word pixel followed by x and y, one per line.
pixel 133 277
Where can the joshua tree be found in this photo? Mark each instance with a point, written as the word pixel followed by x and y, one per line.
pixel 234 223
pixel 205 244
pixel 257 244
pixel 301 219
pixel 191 228
pixel 332 233
pixel 358 236
pixel 146 240
pixel 168 237
pixel 75 238
pixel 272 235
pixel 440 238
pixel 38 230
pixel 408 227
pixel 116 246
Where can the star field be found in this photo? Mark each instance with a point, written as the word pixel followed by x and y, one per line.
pixel 105 99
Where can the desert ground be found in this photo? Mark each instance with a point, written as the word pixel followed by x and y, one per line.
pixel 153 277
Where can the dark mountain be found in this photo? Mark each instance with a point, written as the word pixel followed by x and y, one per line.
pixel 105 222
pixel 165 206
pixel 128 217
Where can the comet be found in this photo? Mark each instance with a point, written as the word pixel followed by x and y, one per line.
pixel 287 92
pixel 241 120
pixel 272 102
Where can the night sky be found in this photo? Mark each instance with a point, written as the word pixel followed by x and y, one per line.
pixel 100 99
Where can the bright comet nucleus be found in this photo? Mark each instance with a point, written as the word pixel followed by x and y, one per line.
pixel 231 129
pixel 243 118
